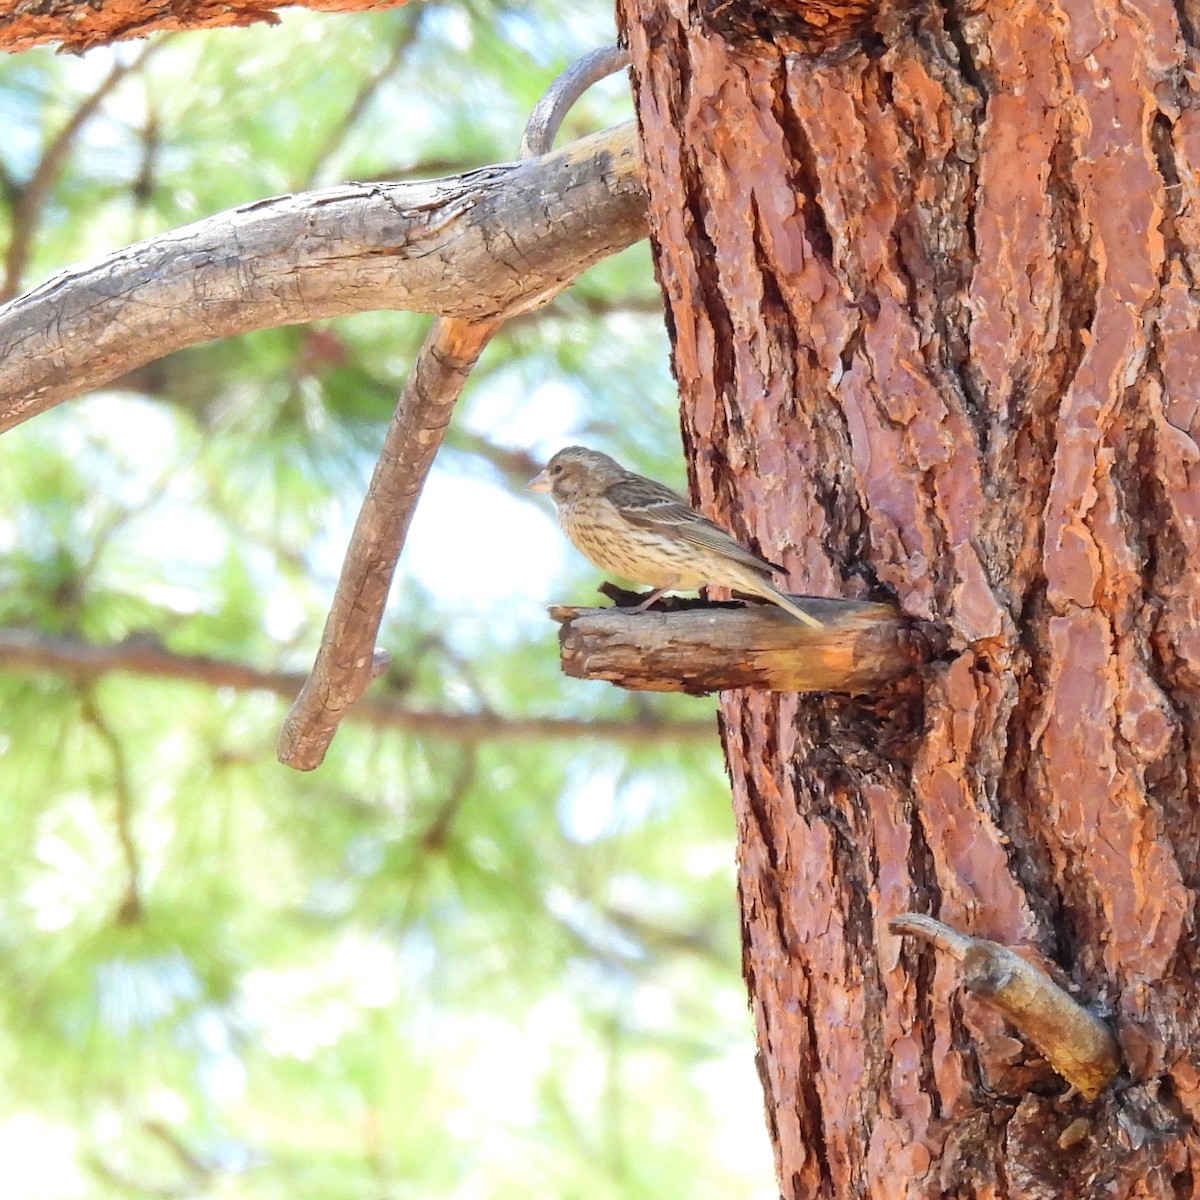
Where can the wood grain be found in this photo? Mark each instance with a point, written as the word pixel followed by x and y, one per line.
pixel 709 647
pixel 486 244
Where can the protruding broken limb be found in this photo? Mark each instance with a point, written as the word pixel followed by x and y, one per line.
pixel 699 646
pixel 347 659
pixel 1075 1042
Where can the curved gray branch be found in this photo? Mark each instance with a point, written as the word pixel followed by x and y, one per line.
pixel 548 113
pixel 486 244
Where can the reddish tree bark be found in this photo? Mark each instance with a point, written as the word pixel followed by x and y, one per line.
pixel 77 26
pixel 929 284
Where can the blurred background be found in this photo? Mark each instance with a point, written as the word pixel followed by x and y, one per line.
pixel 491 955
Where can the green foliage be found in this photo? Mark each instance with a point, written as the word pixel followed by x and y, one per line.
pixel 438 966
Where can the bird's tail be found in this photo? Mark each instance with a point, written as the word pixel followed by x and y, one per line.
pixel 777 597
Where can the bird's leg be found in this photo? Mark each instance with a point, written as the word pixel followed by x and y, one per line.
pixel 654 595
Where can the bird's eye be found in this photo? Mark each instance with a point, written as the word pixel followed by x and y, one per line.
pixel 556 469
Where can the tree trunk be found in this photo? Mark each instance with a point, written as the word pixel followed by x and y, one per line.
pixel 928 279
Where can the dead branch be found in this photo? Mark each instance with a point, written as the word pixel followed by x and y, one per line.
pixel 1076 1043
pixel 24 650
pixel 78 27
pixel 344 664
pixel 488 243
pixel 130 909
pixel 548 113
pixel 343 671
pixel 699 646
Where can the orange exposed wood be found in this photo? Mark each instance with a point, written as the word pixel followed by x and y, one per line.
pixel 76 26
pixel 700 647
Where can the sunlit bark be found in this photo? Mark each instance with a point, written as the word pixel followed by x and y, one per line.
pixel 932 320
pixel 70 25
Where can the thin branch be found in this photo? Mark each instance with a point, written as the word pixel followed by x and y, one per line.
pixel 195 1167
pixel 699 939
pixel 29 651
pixel 142 188
pixel 343 671
pixel 433 837
pixel 516 465
pixel 366 93
pixel 9 188
pixel 143 185
pixel 344 665
pixel 549 111
pixel 1076 1043
pixel 484 245
pixel 78 27
pixel 129 911
pixel 31 195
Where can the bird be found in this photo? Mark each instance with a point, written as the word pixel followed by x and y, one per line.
pixel 641 530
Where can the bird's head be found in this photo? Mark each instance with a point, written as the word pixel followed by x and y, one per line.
pixel 575 472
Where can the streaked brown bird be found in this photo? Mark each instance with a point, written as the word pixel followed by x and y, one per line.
pixel 642 531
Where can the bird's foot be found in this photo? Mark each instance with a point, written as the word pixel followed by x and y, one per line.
pixel 650 599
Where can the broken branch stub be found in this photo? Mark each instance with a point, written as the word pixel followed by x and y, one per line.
pixel 699 647
pixel 1075 1042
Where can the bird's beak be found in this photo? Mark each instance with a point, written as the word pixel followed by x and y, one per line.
pixel 540 482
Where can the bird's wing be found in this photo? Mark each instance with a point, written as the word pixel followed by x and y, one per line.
pixel 649 505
